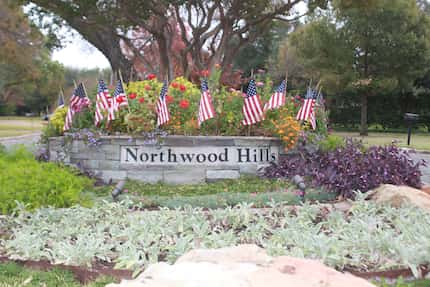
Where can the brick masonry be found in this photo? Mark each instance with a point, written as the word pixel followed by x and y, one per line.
pixel 111 161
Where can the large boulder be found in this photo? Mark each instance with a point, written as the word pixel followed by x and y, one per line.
pixel 397 196
pixel 242 266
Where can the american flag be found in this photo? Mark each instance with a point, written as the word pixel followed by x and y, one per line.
pixel 277 100
pixel 307 111
pixel 78 101
pixel 252 110
pixel 102 102
pixel 206 108
pixel 163 115
pixel 118 100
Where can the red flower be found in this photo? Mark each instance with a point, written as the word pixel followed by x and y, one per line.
pixel 204 73
pixel 132 96
pixel 182 88
pixel 175 85
pixel 119 100
pixel 141 100
pixel 147 87
pixel 184 104
pixel 169 99
pixel 151 77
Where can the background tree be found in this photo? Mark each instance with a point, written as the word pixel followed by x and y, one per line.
pixel 27 74
pixel 366 47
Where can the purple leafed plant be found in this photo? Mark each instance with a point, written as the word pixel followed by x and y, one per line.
pixel 350 168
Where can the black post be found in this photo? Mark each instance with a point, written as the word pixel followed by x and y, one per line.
pixel 409 133
pixel 410 120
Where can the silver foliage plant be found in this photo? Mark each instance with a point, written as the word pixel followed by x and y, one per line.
pixel 370 237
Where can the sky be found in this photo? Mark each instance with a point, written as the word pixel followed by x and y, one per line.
pixel 78 53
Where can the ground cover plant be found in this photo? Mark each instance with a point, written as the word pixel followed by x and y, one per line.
pixel 36 184
pixel 369 237
pixel 349 167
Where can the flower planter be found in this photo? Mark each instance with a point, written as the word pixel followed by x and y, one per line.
pixel 174 160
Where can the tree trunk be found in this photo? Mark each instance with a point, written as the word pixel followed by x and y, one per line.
pixel 165 66
pixel 363 124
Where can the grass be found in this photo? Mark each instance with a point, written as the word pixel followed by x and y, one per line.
pixel 222 200
pixel 247 189
pixel 401 283
pixel 420 141
pixel 246 184
pixel 12 274
pixel 16 126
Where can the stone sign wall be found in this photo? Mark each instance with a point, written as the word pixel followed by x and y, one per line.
pixel 175 160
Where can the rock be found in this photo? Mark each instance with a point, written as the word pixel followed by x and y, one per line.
pixel 241 266
pixel 397 196
pixel 426 189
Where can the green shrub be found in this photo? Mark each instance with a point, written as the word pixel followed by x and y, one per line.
pixel 37 184
pixel 331 142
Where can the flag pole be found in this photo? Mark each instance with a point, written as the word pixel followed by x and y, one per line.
pixel 74 83
pixel 318 84
pixel 250 126
pixel 122 83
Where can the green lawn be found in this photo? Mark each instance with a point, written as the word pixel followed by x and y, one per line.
pixel 14 275
pixel 16 126
pixel 419 141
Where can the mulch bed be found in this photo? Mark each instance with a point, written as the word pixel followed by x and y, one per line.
pixel 85 275
pixel 390 274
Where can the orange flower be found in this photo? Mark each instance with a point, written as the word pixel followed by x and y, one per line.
pixel 147 87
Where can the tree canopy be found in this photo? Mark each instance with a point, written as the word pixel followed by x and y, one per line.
pixel 210 32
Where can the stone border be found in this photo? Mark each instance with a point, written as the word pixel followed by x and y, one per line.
pixel 104 161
